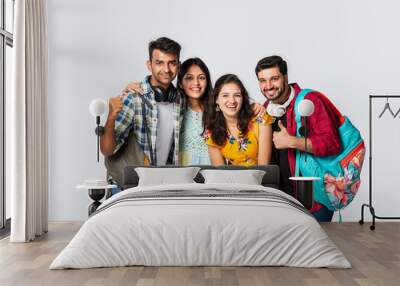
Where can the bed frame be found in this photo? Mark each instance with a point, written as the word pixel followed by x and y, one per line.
pixel 271 178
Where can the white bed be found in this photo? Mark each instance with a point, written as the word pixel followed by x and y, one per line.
pixel 223 225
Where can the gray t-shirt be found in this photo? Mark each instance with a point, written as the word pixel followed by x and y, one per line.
pixel 165 131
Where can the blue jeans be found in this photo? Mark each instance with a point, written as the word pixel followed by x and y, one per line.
pixel 323 215
pixel 114 190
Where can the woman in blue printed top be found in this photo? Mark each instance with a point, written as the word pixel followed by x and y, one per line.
pixel 194 82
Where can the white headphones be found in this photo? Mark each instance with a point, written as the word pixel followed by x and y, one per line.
pixel 278 110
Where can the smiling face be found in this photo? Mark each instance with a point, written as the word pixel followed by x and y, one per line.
pixel 273 84
pixel 230 100
pixel 163 67
pixel 194 82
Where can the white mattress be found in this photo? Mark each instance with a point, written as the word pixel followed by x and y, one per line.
pixel 183 231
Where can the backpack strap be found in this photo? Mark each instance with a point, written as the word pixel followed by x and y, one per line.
pixel 299 98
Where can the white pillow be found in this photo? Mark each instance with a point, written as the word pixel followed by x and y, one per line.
pixel 166 176
pixel 249 177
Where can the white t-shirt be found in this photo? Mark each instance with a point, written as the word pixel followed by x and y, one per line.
pixel 165 131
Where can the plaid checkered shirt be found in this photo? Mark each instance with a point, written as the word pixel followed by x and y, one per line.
pixel 139 112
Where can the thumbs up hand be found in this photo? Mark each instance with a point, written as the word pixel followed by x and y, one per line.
pixel 282 139
pixel 281 127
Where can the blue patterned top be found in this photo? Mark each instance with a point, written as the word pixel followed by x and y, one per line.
pixel 193 149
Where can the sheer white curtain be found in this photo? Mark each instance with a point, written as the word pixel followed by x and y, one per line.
pixel 28 173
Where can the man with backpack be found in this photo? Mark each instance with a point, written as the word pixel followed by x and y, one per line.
pixel 323 140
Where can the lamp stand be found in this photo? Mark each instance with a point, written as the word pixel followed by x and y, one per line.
pixel 99 131
pixel 305 138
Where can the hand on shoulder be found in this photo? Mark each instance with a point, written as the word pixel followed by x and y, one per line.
pixel 258 109
pixel 133 87
pixel 264 119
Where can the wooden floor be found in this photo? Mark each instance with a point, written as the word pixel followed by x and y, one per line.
pixel 374 255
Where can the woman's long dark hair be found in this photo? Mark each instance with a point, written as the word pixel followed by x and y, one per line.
pixel 186 65
pixel 215 120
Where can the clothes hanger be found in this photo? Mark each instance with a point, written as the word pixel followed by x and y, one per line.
pixel 397 113
pixel 387 107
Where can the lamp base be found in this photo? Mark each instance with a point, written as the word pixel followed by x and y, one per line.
pixel 96 195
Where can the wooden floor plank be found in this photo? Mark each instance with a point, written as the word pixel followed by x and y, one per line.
pixel 374 255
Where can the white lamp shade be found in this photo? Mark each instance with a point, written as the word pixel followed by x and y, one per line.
pixel 306 107
pixel 97 107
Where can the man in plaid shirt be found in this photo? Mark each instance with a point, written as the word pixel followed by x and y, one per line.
pixel 323 125
pixel 155 117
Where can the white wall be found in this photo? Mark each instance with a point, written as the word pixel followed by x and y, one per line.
pixel 347 49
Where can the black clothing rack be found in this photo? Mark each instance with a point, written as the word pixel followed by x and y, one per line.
pixel 369 205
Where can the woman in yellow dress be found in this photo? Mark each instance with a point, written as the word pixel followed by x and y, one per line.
pixel 233 135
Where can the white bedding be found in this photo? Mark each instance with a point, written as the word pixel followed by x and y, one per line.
pixel 177 231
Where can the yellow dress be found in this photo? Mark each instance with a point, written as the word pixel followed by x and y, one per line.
pixel 242 151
